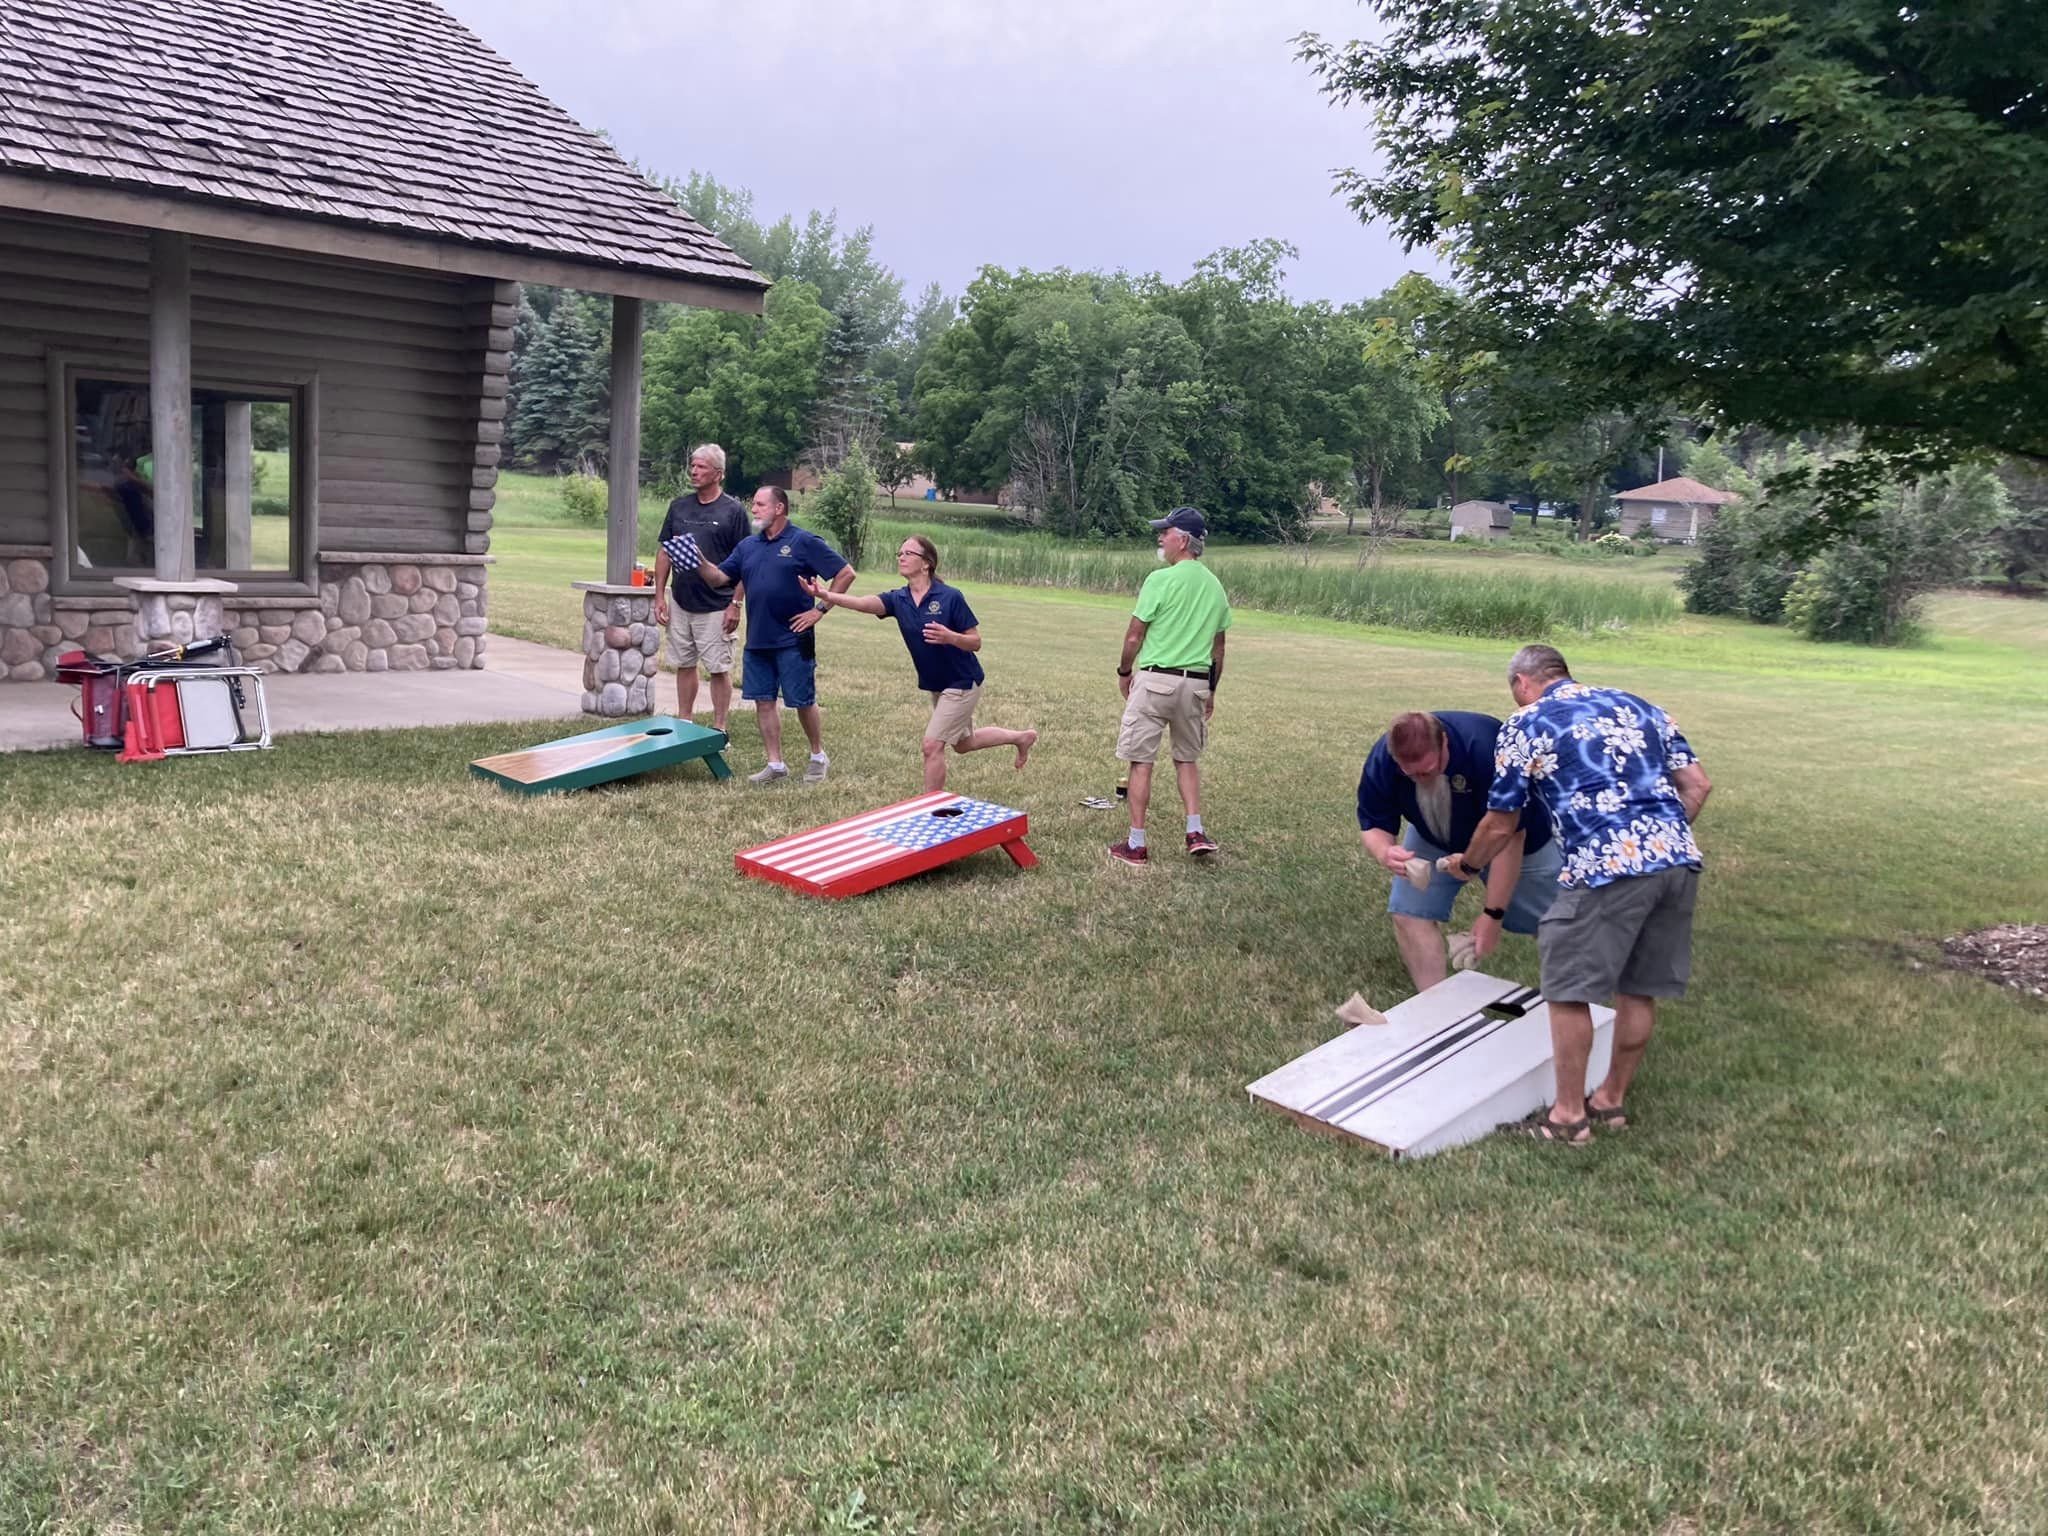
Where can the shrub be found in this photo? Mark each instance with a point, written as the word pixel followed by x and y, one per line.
pixel 1867 587
pixel 585 497
pixel 844 504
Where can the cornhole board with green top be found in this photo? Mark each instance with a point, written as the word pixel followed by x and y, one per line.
pixel 598 757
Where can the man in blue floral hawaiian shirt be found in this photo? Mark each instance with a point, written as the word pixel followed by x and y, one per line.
pixel 1622 788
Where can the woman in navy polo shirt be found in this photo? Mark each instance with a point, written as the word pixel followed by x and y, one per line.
pixel 942 635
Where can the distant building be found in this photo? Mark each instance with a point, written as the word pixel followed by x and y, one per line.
pixel 1677 511
pixel 1481 520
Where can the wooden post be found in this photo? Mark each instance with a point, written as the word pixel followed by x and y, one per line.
pixel 622 524
pixel 170 401
pixel 241 466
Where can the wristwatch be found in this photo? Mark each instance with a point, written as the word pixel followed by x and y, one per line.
pixel 1498 914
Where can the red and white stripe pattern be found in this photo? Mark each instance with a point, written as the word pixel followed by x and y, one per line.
pixel 847 847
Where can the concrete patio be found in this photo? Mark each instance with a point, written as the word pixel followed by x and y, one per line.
pixel 523 681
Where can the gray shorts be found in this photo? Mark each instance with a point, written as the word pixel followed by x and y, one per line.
pixel 1632 936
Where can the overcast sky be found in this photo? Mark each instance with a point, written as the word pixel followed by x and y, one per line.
pixel 1029 133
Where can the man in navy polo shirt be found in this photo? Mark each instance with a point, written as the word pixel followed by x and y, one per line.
pixel 942 635
pixel 781 652
pixel 1434 771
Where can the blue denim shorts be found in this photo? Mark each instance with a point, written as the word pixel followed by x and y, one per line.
pixel 785 671
pixel 1534 892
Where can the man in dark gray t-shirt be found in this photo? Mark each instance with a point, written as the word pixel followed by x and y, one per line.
pixel 701 621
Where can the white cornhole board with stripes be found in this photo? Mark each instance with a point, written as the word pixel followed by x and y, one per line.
pixel 1448 1066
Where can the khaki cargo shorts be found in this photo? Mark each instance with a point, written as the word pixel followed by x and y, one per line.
pixel 1161 703
pixel 952 715
pixel 698 640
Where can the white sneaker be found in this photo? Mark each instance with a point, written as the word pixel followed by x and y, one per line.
pixel 768 775
pixel 814 770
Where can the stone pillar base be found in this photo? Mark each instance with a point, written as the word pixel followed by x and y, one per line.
pixel 621 643
pixel 176 612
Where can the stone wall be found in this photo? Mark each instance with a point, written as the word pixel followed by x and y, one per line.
pixel 374 613
pixel 30 633
pixel 385 613
pixel 620 642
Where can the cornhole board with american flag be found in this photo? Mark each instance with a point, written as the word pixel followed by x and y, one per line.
pixel 1450 1065
pixel 866 852
pixel 598 757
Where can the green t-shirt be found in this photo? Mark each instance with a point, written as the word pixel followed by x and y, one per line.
pixel 1183 609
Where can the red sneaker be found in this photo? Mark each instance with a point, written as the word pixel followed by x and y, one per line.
pixel 1124 853
pixel 1201 844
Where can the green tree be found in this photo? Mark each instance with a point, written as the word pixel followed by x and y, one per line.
pixel 894 464
pixel 1819 214
pixel 897 364
pixel 561 387
pixel 1390 411
pixel 1709 463
pixel 1252 454
pixel 1070 388
pixel 748 384
pixel 844 504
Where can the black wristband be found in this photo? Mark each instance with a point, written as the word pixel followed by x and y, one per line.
pixel 1498 914
pixel 1123 671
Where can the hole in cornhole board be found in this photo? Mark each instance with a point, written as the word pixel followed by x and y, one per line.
pixel 659 730
pixel 947 810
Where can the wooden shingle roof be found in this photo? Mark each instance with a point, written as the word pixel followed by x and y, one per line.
pixel 1681 489
pixel 382 115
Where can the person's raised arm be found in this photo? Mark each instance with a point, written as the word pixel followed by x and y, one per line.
pixel 714 576
pixel 837 598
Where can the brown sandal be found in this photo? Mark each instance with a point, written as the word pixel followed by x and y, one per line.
pixel 1538 1126
pixel 1615 1119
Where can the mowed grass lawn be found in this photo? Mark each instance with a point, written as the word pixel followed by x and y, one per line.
pixel 384 1153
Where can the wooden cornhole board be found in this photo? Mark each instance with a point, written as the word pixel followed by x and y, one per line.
pixel 1448 1066
pixel 598 757
pixel 863 853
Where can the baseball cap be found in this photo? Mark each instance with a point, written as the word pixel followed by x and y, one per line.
pixel 1187 519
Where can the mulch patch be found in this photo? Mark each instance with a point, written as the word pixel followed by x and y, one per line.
pixel 2012 954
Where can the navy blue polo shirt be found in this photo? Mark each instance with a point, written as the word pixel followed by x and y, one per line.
pixel 939 667
pixel 771 568
pixel 1386 795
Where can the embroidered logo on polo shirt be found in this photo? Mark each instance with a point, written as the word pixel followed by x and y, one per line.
pixel 784 551
pixel 1458 783
pixel 932 606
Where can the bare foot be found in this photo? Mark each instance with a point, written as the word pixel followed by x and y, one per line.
pixel 1024 747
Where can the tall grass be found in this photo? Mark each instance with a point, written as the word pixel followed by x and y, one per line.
pixel 1500 606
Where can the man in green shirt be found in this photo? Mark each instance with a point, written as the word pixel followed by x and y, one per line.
pixel 1171 665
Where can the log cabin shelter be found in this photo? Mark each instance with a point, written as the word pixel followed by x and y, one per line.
pixel 259 268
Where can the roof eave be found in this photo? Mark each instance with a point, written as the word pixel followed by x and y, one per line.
pixel 245 225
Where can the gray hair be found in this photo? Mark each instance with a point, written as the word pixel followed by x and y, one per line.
pixel 1195 545
pixel 1539 663
pixel 711 454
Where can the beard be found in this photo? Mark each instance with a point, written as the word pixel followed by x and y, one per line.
pixel 1433 799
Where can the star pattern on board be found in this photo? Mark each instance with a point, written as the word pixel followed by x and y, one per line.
pixel 928 829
